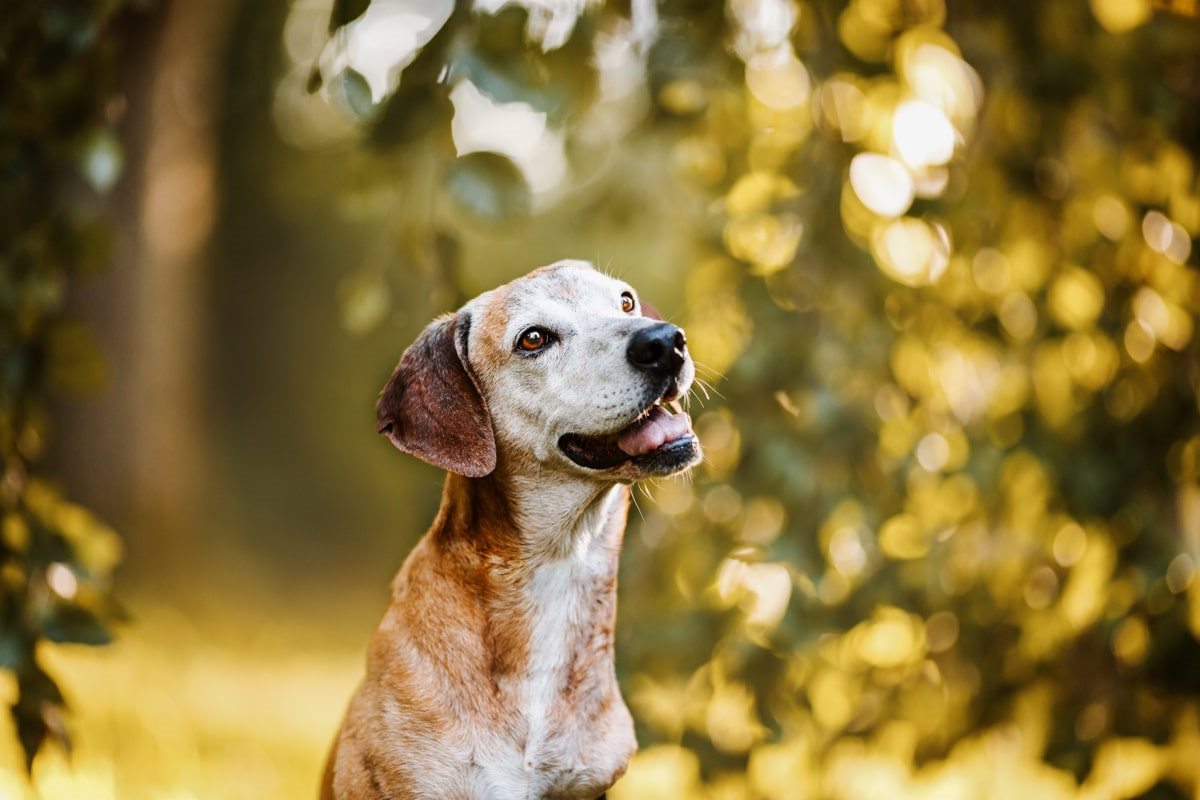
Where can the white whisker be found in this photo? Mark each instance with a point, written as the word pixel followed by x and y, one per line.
pixel 636 505
pixel 700 365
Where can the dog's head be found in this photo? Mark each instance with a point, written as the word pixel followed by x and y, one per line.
pixel 564 369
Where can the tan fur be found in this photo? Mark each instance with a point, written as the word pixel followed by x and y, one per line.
pixel 491 673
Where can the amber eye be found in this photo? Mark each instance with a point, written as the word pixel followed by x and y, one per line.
pixel 627 302
pixel 533 340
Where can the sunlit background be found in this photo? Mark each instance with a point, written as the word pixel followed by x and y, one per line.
pixel 937 262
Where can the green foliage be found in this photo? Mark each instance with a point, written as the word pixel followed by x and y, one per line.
pixel 948 529
pixel 559 82
pixel 345 12
pixel 57 108
pixel 488 187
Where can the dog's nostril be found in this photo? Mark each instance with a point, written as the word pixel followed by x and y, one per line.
pixel 657 349
pixel 646 353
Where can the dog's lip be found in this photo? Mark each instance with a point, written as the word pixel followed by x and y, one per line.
pixel 652 432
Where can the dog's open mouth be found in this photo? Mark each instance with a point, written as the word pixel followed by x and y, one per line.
pixel 659 433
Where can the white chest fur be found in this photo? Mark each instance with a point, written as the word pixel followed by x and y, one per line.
pixel 557 593
pixel 567 751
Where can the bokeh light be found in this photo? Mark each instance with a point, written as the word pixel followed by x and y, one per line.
pixel 937 265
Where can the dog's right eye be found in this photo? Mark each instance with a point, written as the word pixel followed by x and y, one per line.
pixel 533 340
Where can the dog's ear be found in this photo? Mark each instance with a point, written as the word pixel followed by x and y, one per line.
pixel 433 408
pixel 649 311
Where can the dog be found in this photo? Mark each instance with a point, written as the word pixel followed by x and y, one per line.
pixel 491 674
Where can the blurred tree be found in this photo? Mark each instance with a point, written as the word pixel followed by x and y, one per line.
pixel 946 282
pixel 58 151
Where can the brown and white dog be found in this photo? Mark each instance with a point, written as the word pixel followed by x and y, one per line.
pixel 491 674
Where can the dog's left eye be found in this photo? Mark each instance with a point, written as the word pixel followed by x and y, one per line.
pixel 533 340
pixel 627 302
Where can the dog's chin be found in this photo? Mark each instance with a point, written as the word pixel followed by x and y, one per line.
pixel 657 443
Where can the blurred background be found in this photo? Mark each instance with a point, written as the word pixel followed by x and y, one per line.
pixel 937 261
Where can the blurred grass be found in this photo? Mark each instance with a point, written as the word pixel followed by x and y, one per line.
pixel 183 708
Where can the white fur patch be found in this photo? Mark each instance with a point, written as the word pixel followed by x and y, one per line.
pixel 570 561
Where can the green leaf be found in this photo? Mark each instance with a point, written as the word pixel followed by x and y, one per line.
pixel 15 650
pixel 489 188
pixel 509 69
pixel 410 113
pixel 31 732
pixel 345 12
pixel 504 31
pixel 356 94
pixel 38 712
pixel 72 624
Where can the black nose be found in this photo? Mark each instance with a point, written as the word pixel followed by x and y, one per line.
pixel 658 349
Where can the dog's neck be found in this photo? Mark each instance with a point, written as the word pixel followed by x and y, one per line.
pixel 532 519
pixel 543 583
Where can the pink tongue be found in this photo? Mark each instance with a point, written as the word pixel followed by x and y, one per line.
pixel 653 432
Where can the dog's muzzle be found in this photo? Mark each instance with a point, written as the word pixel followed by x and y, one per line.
pixel 660 440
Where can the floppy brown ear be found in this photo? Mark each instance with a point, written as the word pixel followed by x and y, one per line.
pixel 649 311
pixel 432 406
